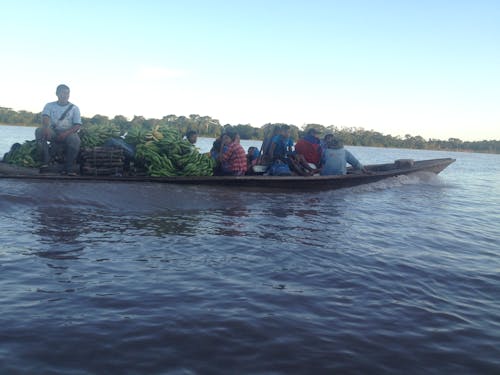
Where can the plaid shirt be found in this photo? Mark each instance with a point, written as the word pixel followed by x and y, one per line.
pixel 234 158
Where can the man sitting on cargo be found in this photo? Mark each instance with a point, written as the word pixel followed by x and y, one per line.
pixel 60 124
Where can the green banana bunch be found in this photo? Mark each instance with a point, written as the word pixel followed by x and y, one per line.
pixel 198 165
pixel 167 154
pixel 136 135
pixel 25 155
pixel 172 134
pixel 154 134
pixel 96 135
pixel 156 163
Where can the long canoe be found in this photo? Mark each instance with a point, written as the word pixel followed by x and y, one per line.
pixel 376 172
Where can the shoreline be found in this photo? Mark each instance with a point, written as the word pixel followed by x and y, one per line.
pixel 399 148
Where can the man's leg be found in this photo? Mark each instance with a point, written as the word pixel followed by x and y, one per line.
pixel 72 143
pixel 43 145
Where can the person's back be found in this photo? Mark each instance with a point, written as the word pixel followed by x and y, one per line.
pixel 309 147
pixel 334 162
pixel 334 159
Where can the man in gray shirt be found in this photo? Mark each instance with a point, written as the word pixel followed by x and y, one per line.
pixel 60 124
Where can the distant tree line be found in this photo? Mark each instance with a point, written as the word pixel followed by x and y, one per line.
pixel 209 127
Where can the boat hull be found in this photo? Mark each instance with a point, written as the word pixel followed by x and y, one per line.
pixel 376 173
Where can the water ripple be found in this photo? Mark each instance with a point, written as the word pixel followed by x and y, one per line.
pixel 394 277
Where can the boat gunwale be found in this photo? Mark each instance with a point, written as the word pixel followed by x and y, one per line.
pixel 255 180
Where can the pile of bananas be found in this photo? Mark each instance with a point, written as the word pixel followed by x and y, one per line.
pixel 165 153
pixel 24 155
pixel 137 135
pixel 96 135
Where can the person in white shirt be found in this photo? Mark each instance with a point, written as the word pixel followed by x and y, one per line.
pixel 60 124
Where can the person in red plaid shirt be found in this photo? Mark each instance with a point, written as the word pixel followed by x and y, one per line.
pixel 234 157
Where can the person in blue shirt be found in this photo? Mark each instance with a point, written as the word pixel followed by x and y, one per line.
pixel 335 157
pixel 253 155
pixel 281 150
pixel 281 144
pixel 265 157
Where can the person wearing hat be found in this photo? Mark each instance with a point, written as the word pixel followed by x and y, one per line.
pixel 309 146
pixel 335 157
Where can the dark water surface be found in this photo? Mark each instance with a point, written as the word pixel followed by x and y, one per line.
pixel 401 276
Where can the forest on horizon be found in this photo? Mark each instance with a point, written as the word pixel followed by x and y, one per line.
pixel 209 127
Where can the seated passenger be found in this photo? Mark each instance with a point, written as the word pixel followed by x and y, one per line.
pixel 214 154
pixel 281 144
pixel 309 147
pixel 60 125
pixel 266 145
pixel 234 158
pixel 281 150
pixel 253 155
pixel 192 136
pixel 322 143
pixel 335 157
pixel 214 151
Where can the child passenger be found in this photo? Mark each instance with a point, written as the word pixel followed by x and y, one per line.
pixel 253 155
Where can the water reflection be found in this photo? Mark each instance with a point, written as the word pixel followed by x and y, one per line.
pixel 59 228
pixel 65 230
pixel 161 226
pixel 230 223
pixel 284 219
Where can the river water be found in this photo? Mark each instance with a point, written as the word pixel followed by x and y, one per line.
pixel 400 276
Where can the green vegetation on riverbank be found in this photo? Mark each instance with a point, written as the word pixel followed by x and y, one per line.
pixel 209 127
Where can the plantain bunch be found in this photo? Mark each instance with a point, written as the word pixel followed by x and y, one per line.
pixel 195 164
pixel 25 155
pixel 165 153
pixel 137 135
pixel 96 135
pixel 157 164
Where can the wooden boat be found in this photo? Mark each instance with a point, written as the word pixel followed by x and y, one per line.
pixel 376 172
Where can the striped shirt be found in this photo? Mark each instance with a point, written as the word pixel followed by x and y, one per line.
pixel 234 159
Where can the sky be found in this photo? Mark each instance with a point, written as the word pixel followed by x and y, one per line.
pixel 427 67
